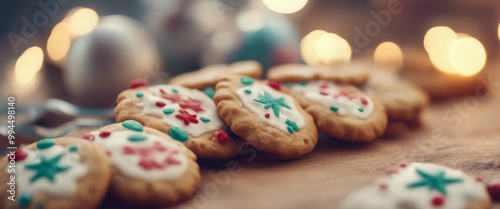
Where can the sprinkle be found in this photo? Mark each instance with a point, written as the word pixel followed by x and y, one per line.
pixel 403 165
pixel 160 104
pixel 88 136
pixel 334 108
pixel 168 111
pixel 139 94
pixel 45 143
pixel 20 154
pixel 221 136
pixel 133 125
pixel 248 91
pixel 361 109
pixel 24 199
pixel 323 85
pixel 383 186
pixel 267 115
pixel 323 93
pixel 73 148
pixel 274 85
pixel 175 90
pixel 178 134
pixel 206 120
pixel 108 153
pixel 303 83
pixel 210 91
pixel 479 178
pixel 246 80
pixel 137 137
pixel 438 201
pixel 104 134
pixel 364 101
pixel 138 82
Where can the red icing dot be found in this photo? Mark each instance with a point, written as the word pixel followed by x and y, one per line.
pixel 438 201
pixel 392 171
pixel 494 189
pixel 222 136
pixel 160 104
pixel 267 115
pixel 20 154
pixel 323 85
pixel 104 134
pixel 403 165
pixel 383 186
pixel 479 178
pixel 364 101
pixel 138 82
pixel 323 93
pixel 274 85
pixel 88 136
pixel 108 153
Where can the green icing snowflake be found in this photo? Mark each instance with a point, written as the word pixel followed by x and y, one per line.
pixel 270 102
pixel 291 126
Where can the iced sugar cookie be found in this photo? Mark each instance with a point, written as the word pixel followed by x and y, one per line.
pixel 265 117
pixel 149 167
pixel 341 111
pixel 355 73
pixel 421 186
pixel 206 78
pixel 61 173
pixel 187 115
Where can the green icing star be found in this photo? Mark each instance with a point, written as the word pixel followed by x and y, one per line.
pixel 437 181
pixel 47 168
pixel 270 102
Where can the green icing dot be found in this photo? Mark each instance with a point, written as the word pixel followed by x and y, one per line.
pixel 246 80
pixel 24 199
pixel 303 83
pixel 45 143
pixel 137 137
pixel 206 120
pixel 73 148
pixel 248 91
pixel 133 125
pixel 175 90
pixel 334 108
pixel 139 94
pixel 361 109
pixel 168 111
pixel 210 91
pixel 290 129
pixel 178 134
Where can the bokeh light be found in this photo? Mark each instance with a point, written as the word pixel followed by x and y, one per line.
pixel 308 47
pixel 332 49
pixel 467 56
pixel 388 54
pixel 28 65
pixel 251 20
pixel 437 43
pixel 285 6
pixel 82 21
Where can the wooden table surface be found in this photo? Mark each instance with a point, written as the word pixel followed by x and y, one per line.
pixel 460 133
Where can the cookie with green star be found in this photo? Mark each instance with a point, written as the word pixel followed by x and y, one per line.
pixel 421 186
pixel 55 173
pixel 260 113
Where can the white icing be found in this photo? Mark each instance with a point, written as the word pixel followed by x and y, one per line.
pixel 458 194
pixel 152 95
pixel 65 182
pixel 129 165
pixel 258 108
pixel 345 105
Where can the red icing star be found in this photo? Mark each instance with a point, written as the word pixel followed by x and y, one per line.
pixel 344 94
pixel 148 161
pixel 175 98
pixel 188 118
pixel 191 104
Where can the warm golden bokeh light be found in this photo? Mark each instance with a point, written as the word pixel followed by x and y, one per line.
pixel 82 21
pixel 437 43
pixel 308 47
pixel 28 65
pixel 285 6
pixel 58 45
pixel 388 54
pixel 499 31
pixel 467 56
pixel 332 49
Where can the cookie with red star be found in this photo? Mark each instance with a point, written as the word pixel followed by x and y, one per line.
pixel 421 186
pixel 355 73
pixel 264 116
pixel 55 173
pixel 187 115
pixel 206 77
pixel 149 167
pixel 340 110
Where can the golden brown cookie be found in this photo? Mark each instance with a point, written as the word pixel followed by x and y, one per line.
pixel 341 111
pixel 149 167
pixel 57 173
pixel 355 73
pixel 421 185
pixel 265 117
pixel 210 75
pixel 187 115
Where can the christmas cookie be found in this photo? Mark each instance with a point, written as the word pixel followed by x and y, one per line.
pixel 422 186
pixel 55 173
pixel 265 117
pixel 149 167
pixel 355 73
pixel 403 101
pixel 341 111
pixel 187 115
pixel 206 78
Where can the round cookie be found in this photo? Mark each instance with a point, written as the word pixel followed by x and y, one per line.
pixel 355 73
pixel 422 186
pixel 341 111
pixel 187 115
pixel 208 76
pixel 57 173
pixel 265 117
pixel 149 167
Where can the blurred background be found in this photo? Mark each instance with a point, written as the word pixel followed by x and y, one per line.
pixel 73 57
